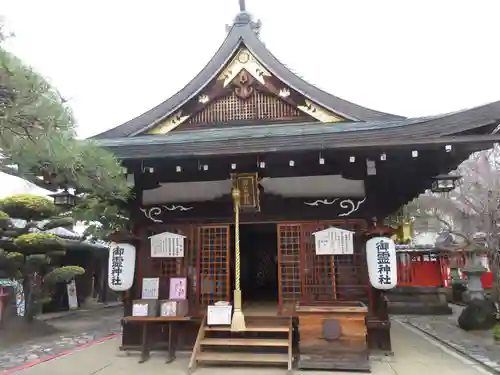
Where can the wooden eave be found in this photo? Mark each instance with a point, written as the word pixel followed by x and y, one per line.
pixel 241 33
pixel 314 136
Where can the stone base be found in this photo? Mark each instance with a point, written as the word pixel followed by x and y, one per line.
pixel 418 301
pixel 478 315
pixel 416 308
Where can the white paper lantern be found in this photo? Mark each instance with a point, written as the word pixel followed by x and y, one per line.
pixel 121 267
pixel 381 261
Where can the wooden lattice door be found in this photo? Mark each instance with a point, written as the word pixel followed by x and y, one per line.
pixel 289 244
pixel 214 264
pixel 318 271
pixel 306 277
pixel 333 277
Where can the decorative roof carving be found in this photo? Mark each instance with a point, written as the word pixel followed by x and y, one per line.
pixel 170 123
pixel 245 18
pixel 318 112
pixel 243 59
pixel 243 35
pixel 243 75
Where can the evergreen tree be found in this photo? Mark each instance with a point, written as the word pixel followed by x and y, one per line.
pixel 28 254
pixel 38 142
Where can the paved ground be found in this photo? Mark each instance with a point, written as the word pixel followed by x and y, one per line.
pixel 414 355
pixel 74 330
pixel 478 345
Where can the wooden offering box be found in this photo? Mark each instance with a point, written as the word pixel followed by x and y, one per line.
pixel 333 336
pixel 170 307
pixel 145 307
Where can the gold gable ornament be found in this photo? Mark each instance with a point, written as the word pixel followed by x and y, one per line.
pixel 318 112
pixel 170 123
pixel 244 60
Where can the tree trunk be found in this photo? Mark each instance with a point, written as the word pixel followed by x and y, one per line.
pixel 31 308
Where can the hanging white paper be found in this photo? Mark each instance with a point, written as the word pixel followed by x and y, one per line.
pixel 323 244
pixel 334 241
pixel 381 261
pixel 150 287
pixel 178 288
pixel 167 245
pixel 121 266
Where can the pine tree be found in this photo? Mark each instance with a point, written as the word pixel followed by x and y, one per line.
pixel 28 254
pixel 38 141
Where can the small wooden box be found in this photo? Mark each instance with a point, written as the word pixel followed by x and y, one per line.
pixel 170 307
pixel 145 307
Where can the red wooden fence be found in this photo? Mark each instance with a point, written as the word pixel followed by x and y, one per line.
pixel 430 269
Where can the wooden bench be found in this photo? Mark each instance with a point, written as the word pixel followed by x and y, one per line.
pixel 146 321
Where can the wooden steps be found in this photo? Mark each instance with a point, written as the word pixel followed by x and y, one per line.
pixel 267 340
pixel 244 342
pixel 258 328
pixel 243 357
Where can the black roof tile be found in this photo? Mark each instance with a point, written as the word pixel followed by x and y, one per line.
pixel 243 33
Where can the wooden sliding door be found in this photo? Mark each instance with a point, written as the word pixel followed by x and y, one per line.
pixel 289 244
pixel 214 264
pixel 307 278
pixel 317 271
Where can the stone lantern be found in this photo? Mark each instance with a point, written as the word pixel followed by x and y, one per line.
pixel 480 312
pixel 473 269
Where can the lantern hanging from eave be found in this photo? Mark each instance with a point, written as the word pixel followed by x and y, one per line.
pixel 444 183
pixel 381 262
pixel 121 266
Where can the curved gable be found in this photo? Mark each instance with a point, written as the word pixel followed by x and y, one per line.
pixel 266 72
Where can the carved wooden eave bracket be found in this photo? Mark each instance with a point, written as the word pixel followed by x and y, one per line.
pixel 153 213
pixel 349 206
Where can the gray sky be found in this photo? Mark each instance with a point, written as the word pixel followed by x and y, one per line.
pixel 116 59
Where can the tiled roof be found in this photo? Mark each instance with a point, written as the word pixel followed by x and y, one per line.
pixel 242 33
pixel 310 136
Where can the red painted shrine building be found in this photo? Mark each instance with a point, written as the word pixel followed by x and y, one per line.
pixel 303 160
